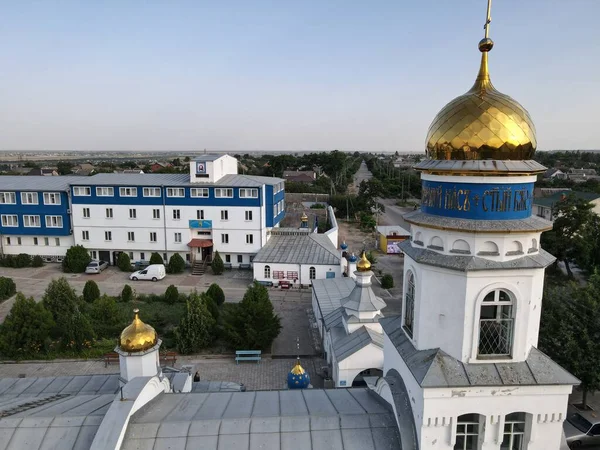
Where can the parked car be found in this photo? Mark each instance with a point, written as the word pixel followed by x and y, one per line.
pixel 140 265
pixel 582 428
pixel 96 266
pixel 153 272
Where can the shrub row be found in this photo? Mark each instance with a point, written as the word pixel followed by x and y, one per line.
pixel 21 260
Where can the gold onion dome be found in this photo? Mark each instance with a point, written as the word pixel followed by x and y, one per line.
pixel 483 123
pixel 304 217
pixel 363 265
pixel 138 336
pixel 297 369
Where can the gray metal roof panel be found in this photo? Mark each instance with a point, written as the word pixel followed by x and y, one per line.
pixel 481 165
pixel 362 298
pixel 209 157
pixel 36 183
pixel 353 342
pixel 329 292
pixel 334 318
pixel 464 263
pixel 298 249
pixel 434 368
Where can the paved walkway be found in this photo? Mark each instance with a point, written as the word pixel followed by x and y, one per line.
pixel 269 374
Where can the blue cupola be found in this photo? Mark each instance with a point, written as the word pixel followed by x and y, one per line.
pixel 344 246
pixel 298 378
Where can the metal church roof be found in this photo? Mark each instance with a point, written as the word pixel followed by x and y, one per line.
pixel 310 248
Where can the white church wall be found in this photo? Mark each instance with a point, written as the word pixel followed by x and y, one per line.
pixel 368 357
pixel 303 271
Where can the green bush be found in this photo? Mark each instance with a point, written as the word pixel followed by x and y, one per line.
pixel 76 259
pixel 387 282
pixel 126 293
pixel 26 330
pixel 124 262
pixel 91 291
pixel 195 331
pixel 155 258
pixel 37 261
pixel 212 307
pixel 217 265
pixel 216 293
pixel 7 288
pixel 176 264
pixel 8 261
pixel 371 257
pixel 22 260
pixel 171 294
pixel 106 317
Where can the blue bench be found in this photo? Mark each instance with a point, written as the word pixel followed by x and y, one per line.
pixel 266 283
pixel 247 355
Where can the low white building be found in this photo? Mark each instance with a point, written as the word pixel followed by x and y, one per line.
pixel 347 313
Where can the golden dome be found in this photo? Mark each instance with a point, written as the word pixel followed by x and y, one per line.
pixel 483 123
pixel 297 369
pixel 304 217
pixel 138 336
pixel 363 265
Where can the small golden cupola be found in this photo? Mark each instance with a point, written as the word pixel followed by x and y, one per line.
pixel 482 123
pixel 363 265
pixel 138 336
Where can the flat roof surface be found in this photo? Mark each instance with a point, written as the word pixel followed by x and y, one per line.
pixel 309 248
pixel 335 419
pixel 37 183
pixel 329 293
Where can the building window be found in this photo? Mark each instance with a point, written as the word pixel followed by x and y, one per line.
pixel 496 324
pixel 240 259
pixel 35 241
pixel 105 191
pixel 177 237
pixel 8 198
pixel 46 241
pixel 128 192
pixel 514 432
pixel 57 242
pixel 248 193
pixel 29 198
pixel 248 215
pixel 85 235
pixel 54 222
pixel 152 236
pixel 267 271
pixel 224 214
pixel 94 254
pixel 312 273
pixel 200 214
pixel 228 259
pixel 142 256
pixel 151 192
pixel 199 192
pixel 78 191
pixel 19 242
pixel 409 305
pixel 224 239
pixel 176 214
pixel 109 213
pixel 108 235
pixel 31 221
pixel 131 236
pixel 131 256
pixel 86 213
pixel 468 428
pixel 175 192
pixel 10 220
pixel 53 198
pixel 249 239
pixel 156 213
pixel 132 213
pixel 8 241
pixel 224 192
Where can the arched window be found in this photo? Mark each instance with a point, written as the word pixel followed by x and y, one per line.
pixel 514 432
pixel 496 324
pixel 409 304
pixel 469 427
pixel 267 271
pixel 312 273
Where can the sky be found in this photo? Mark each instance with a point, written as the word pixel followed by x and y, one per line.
pixel 285 75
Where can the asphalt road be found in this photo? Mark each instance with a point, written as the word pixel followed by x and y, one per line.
pixel 393 215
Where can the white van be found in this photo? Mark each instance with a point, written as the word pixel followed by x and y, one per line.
pixel 153 272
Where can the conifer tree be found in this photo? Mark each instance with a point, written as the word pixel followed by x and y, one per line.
pixel 155 258
pixel 216 293
pixel 217 265
pixel 91 291
pixel 195 330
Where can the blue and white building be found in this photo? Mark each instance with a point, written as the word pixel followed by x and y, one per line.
pixel 211 208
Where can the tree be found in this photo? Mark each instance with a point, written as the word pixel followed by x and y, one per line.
pixel 124 262
pixel 195 330
pixel 26 329
pixel 176 263
pixel 216 293
pixel 106 317
pixel 64 168
pixel 570 330
pixel 565 241
pixel 387 281
pixel 212 307
pixel 217 265
pixel 72 326
pixel 126 293
pixel 171 295
pixel 252 324
pixel 91 291
pixel 155 258
pixel 8 288
pixel 37 261
pixel 76 259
